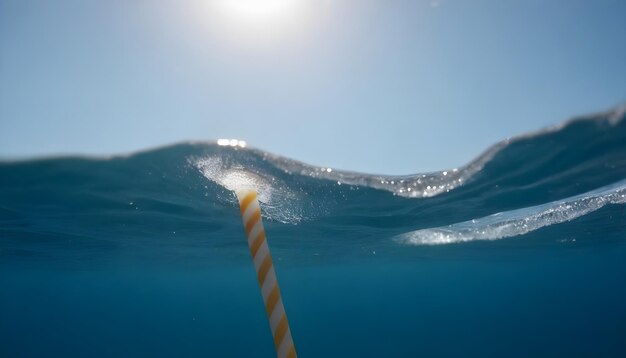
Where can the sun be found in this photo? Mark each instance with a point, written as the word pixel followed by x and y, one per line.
pixel 257 12
pixel 259 24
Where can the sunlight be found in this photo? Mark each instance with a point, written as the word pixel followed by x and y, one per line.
pixel 261 23
pixel 259 12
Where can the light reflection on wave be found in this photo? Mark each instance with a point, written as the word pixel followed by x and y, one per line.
pixel 518 222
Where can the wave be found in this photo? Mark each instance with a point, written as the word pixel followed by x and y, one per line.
pixel 571 158
pixel 534 180
pixel 577 136
pixel 519 222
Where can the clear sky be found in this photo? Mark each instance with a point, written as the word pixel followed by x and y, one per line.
pixel 385 86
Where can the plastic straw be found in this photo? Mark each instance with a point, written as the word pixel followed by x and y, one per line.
pixel 251 215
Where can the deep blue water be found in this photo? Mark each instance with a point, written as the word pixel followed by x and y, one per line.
pixel 520 253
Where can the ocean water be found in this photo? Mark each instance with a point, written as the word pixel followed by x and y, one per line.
pixel 520 253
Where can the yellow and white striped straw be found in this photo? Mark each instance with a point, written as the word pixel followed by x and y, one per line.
pixel 251 215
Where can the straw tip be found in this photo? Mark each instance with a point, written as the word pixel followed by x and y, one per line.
pixel 243 191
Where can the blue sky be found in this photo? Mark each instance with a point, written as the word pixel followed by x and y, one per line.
pixel 390 86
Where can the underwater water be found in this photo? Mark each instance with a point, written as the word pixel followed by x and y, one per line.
pixel 520 253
